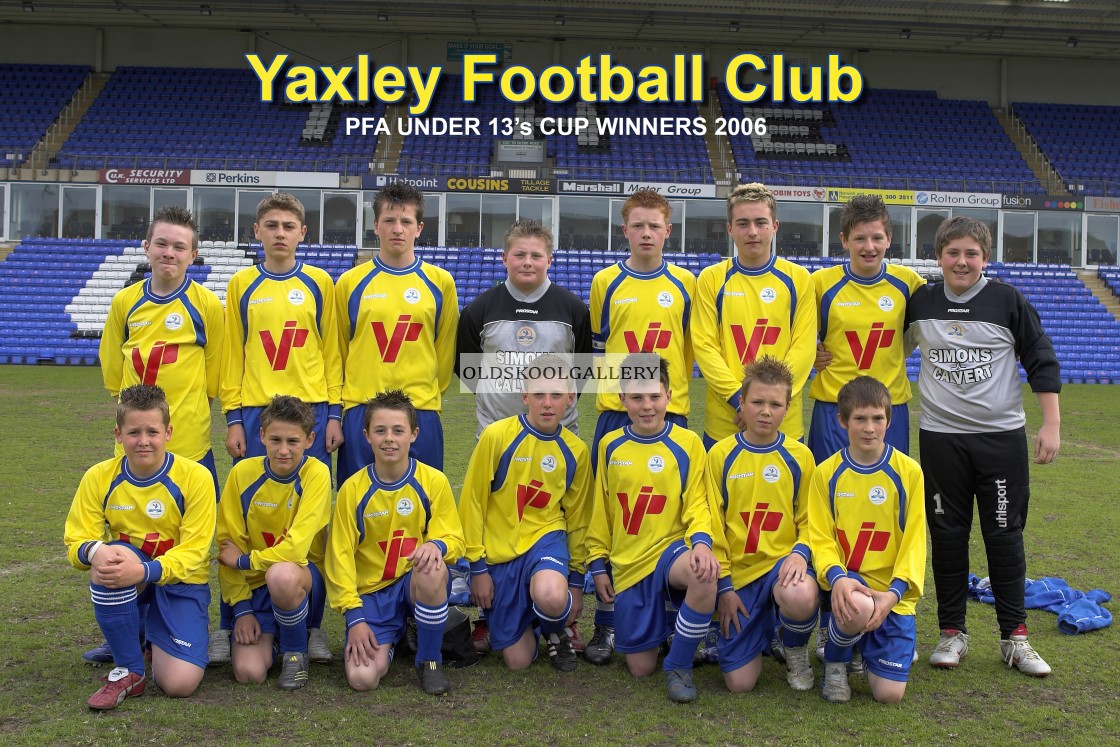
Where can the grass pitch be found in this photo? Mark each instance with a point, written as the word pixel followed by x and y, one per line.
pixel 57 422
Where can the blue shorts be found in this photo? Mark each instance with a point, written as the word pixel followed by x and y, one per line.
pixel 888 650
pixel 355 452
pixel 254 447
pixel 639 612
pixel 386 609
pixel 826 437
pixel 261 601
pixel 177 618
pixel 757 630
pixel 612 420
pixel 511 612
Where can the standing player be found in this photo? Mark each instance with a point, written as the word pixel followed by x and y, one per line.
pixel 394 531
pixel 867 532
pixel 862 311
pixel 759 480
pixel 640 305
pixel 142 525
pixel 973 333
pixel 281 338
pixel 752 304
pixel 396 322
pixel 167 331
pixel 650 497
pixel 523 317
pixel 525 507
pixel 272 510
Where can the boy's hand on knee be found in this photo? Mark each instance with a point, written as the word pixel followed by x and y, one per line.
pixel 229 553
pixel 334 435
pixel 119 572
pixel 843 593
pixel 604 589
pixel 704 563
pixel 482 590
pixel 426 558
pixel 235 441
pixel 730 606
pixel 361 644
pixel 793 570
pixel 247 631
pixel 884 603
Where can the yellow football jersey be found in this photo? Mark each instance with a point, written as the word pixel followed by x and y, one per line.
pixel 377 525
pixel 861 321
pixel 651 493
pixel 633 312
pixel 281 338
pixel 168 516
pixel 520 485
pixel 272 519
pixel 870 520
pixel 763 498
pixel 174 342
pixel 396 330
pixel 742 314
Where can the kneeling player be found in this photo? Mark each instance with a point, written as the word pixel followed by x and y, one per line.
pixel 760 480
pixel 158 509
pixel 651 496
pixel 394 531
pixel 867 533
pixel 272 509
pixel 525 507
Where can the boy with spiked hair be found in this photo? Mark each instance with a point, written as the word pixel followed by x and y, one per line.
pixel 974 332
pixel 651 497
pixel 867 533
pixel 759 480
pixel 640 305
pixel 752 304
pixel 142 524
pixel 525 508
pixel 397 317
pixel 272 510
pixel 394 531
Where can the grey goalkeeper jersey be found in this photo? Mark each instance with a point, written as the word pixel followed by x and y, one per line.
pixel 507 329
pixel 970 347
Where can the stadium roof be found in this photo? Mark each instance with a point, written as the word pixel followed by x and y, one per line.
pixel 1083 29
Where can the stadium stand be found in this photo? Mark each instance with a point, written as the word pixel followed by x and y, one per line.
pixel 55 308
pixel 464 155
pixel 682 158
pixel 139 120
pixel 894 139
pixel 33 96
pixel 1081 142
